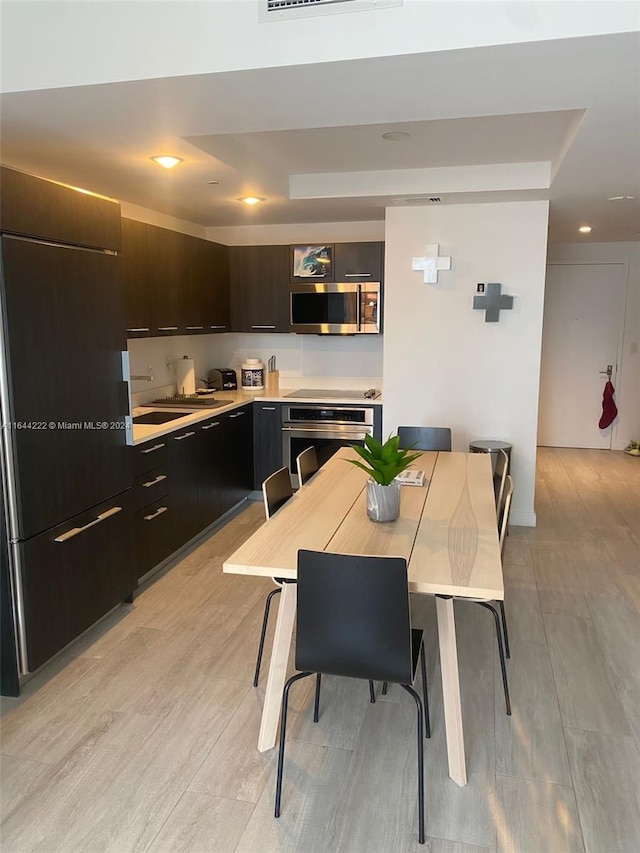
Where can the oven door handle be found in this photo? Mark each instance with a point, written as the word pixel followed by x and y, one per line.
pixel 364 429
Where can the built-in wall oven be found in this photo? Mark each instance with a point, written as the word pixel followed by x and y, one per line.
pixel 327 428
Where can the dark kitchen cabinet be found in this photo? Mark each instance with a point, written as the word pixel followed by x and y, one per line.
pixel 216 305
pixel 259 280
pixel 137 276
pixel 267 441
pixel 205 287
pixel 358 261
pixel 154 538
pixel 236 459
pixel 64 336
pixel 74 573
pixel 167 280
pixel 175 283
pixel 33 207
pixel 211 471
pixel 184 471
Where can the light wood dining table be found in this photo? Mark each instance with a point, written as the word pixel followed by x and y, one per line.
pixel 446 531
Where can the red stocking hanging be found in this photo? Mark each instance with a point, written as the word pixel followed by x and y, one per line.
pixel 609 409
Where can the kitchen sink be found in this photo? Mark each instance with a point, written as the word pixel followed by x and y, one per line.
pixel 158 417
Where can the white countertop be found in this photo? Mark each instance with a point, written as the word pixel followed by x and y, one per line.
pixel 233 400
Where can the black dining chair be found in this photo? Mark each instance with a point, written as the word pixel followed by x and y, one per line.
pixel 276 491
pixel 353 620
pixel 307 465
pixel 503 648
pixel 425 438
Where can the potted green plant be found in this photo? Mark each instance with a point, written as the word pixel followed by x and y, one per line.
pixel 384 461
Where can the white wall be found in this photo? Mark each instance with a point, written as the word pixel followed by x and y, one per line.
pixel 51 43
pixel 628 383
pixel 443 365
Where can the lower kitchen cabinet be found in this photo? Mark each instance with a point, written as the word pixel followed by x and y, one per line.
pixel 75 573
pixel 267 441
pixel 154 535
pixel 236 457
pixel 183 456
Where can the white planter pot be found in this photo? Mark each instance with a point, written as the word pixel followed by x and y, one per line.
pixel 383 502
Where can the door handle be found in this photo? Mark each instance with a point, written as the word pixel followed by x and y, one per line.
pixel 182 437
pixel 211 426
pixel 75 530
pixel 158 479
pixel 156 514
pixel 608 372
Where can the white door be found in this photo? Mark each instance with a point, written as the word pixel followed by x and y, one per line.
pixel 583 313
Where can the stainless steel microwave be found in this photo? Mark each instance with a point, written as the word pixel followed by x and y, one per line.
pixel 335 309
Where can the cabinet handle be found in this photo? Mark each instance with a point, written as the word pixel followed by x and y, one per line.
pixel 357 275
pixel 238 415
pixel 158 512
pixel 141 329
pixel 268 408
pixel 211 426
pixel 194 328
pixel 158 479
pixel 151 449
pixel 167 328
pixel 263 327
pixel 182 437
pixel 217 327
pixel 75 530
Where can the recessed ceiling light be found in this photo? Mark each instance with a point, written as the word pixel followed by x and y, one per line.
pixel 585 229
pixel 621 198
pixel 251 199
pixel 167 161
pixel 396 136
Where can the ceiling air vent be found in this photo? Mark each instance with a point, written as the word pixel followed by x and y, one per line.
pixel 277 10
pixel 417 200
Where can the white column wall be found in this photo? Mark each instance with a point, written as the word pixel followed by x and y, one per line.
pixel 442 364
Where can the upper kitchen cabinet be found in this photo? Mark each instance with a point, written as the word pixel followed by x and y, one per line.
pixel 175 283
pixel 358 261
pixel 137 273
pixel 259 281
pixel 336 262
pixel 32 207
pixel 212 287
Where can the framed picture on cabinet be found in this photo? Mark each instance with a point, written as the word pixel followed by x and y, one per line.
pixel 312 262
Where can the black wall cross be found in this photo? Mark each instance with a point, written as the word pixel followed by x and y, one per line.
pixel 493 302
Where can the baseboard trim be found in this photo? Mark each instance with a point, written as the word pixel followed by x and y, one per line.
pixel 518 518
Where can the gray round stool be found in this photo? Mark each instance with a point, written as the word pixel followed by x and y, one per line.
pixel 491 445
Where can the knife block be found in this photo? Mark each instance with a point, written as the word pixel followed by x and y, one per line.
pixel 273 380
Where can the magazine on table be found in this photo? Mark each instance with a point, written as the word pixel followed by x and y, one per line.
pixel 410 477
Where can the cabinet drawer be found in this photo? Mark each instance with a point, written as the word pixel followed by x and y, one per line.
pixel 74 574
pixel 151 455
pixel 150 487
pixel 154 535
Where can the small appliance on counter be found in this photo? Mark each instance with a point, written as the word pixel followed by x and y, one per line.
pixel 252 375
pixel 222 379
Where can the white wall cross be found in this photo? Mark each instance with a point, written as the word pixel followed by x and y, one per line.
pixel 431 263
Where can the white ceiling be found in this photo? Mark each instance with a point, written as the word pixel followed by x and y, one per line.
pixel 572 104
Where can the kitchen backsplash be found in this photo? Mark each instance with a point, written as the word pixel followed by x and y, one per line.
pixel 303 360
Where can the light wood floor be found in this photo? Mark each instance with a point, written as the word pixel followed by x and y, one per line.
pixel 142 736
